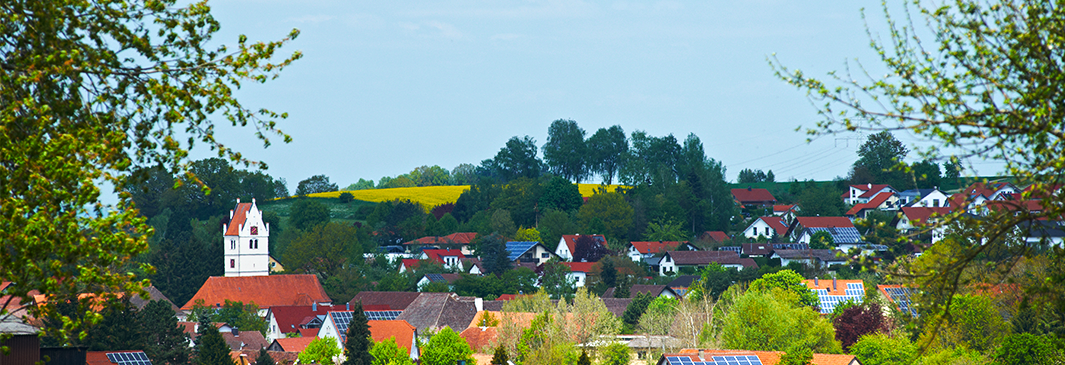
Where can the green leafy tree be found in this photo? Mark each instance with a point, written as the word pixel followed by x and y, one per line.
pixel 631 317
pixel 822 240
pixel 211 348
pixel 558 193
pixel 880 162
pixel 493 253
pixel 611 211
pixel 240 315
pixel 323 249
pixel 1026 348
pixel 554 224
pixel 615 353
pixel 664 231
pixel 446 348
pixel 554 281
pixel 307 213
pixel 464 174
pixel 820 200
pixel 975 324
pixel 774 320
pixel 527 235
pixel 516 159
pixel 315 184
pixel 926 174
pixel 86 102
pixel 357 344
pixel 362 184
pixel 584 359
pixel 387 352
pixel 607 149
pixel 883 349
pixel 797 355
pixel 502 223
pixel 565 151
pixel 789 281
pixel 264 358
pixel 659 316
pixel 430 176
pixel 320 351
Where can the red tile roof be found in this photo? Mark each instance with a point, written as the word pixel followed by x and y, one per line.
pixel 716 236
pixel 571 240
pixel 867 190
pixel 100 357
pixel 585 267
pixel 462 237
pixel 402 331
pixel 438 255
pixel 410 263
pixel 1016 205
pixel 239 216
pixel 245 340
pixel 294 344
pixel 751 196
pixel 480 338
pixel 777 224
pixel 264 291
pixel 783 208
pixel 824 222
pixel 873 203
pixel 289 317
pixel 826 284
pixel 917 215
pixel 650 247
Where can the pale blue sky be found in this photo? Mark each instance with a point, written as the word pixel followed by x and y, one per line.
pixel 388 86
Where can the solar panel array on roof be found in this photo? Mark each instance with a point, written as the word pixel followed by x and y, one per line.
pixel 729 248
pixel 840 234
pixel 791 246
pixel 436 278
pixel 128 358
pixel 516 249
pixel 382 315
pixel 854 292
pixel 715 360
pixel 341 320
pixel 901 296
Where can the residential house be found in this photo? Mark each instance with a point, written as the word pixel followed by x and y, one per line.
pixel 568 243
pixel 900 296
pixel 753 198
pixel 474 264
pixel 405 335
pixel 787 211
pixel 291 344
pixel 767 227
pixel 408 264
pixel 240 340
pixel 810 257
pixel 1049 233
pixel 528 252
pixel 714 236
pixel 841 229
pixel 285 319
pixel 450 259
pixel 862 193
pixel 433 311
pixel 578 272
pixel 128 357
pixel 460 241
pixel 448 279
pixel 834 292
pixel 22 341
pixel 653 290
pixel 246 242
pixel 738 357
pixel 385 300
pixel 914 219
pixel 977 194
pixel 682 283
pixel 673 261
pixel 882 201
pixel 263 291
pixel 640 250
pixel 932 198
pixel 756 249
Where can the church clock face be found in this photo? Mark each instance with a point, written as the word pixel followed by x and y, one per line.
pixel 254 230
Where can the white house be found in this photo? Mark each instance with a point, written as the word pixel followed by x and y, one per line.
pixel 640 250
pixel 336 327
pixel 245 240
pixel 930 198
pixel 858 194
pixel 532 252
pixel 451 259
pixel 568 243
pixel 766 227
pixel 918 218
pixel 578 272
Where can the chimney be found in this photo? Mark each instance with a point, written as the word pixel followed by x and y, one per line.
pixel 749 188
pixel 815 282
pixel 314 306
pixel 236 332
pixel 238 200
pixel 479 304
pixel 347 306
pixel 702 355
pixel 834 283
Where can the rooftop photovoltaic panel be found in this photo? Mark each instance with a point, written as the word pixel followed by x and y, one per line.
pixel 382 315
pixel 128 358
pixel 729 248
pixel 791 246
pixel 840 234
pixel 515 249
pixel 436 278
pixel 715 360
pixel 854 292
pixel 901 297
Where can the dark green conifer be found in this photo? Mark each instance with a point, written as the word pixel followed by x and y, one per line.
pixel 358 343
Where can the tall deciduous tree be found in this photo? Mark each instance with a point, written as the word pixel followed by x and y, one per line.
pixel 607 149
pixel 307 213
pixel 320 351
pixel 607 211
pixel 880 162
pixel 516 159
pixel 565 152
pixel 387 352
pixel 446 348
pixel 315 184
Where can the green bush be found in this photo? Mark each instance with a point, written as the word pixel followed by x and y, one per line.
pixel 346 197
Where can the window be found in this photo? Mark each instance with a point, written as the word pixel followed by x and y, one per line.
pixel 232 263
pixel 256 241
pixel 935 203
pixel 232 244
pixel 767 231
pixel 251 243
pixel 545 255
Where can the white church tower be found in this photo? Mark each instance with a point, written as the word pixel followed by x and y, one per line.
pixel 247 241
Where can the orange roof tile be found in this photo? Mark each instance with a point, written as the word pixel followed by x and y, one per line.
pixel 461 237
pixel 716 236
pixel 400 330
pixel 649 247
pixel 480 338
pixel 750 195
pixel 438 255
pixel 824 222
pixel 571 240
pixel 585 267
pixel 826 284
pixel 240 214
pixel 294 344
pixel 264 291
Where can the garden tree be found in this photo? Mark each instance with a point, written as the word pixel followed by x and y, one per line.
pixel 589 318
pixel 770 177
pixel 565 152
pixel 545 341
pixel 448 223
pixel 346 197
pixel 184 262
pixel 516 159
pixel 401 181
pixel 77 113
pixel 499 356
pixel 446 348
pixel 822 240
pixel 307 213
pixel 165 342
pixel 940 88
pixel 502 223
pixel 588 249
pixel 819 200
pixel 478 198
pixel 358 342
pixel 880 162
pixel 975 324
pixel 554 224
pixel 321 350
pixel 608 274
pixel 702 192
pixel 397 220
pixel 650 160
pixel 622 289
pixel 610 211
pixel 554 280
pixel 789 281
pixel 558 193
pixel 631 317
pixel 664 231
pixel 773 320
pixel 430 176
pixel 858 321
pixel 117 328
pixel 527 235
pixel 519 197
pixel 263 358
pixel 1026 348
pixel 926 174
pixel 463 174
pixel 797 355
pixel 493 253
pixel 211 348
pixel 607 149
pixel 362 184
pixel 951 170
pixel 658 318
pixel 884 349
pixel 616 353
pixel 537 302
pixel 323 249
pixel 315 184
pixel 713 280
pixel 240 315
pixel 387 352
pixel 584 359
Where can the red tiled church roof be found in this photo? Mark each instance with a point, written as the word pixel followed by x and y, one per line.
pixel 264 291
pixel 240 214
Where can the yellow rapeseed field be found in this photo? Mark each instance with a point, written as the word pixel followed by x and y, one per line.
pixel 430 196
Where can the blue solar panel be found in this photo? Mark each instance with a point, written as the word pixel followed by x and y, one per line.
pixel 382 315
pixel 791 246
pixel 516 249
pixel 901 297
pixel 729 248
pixel 715 360
pixel 854 292
pixel 128 358
pixel 840 234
